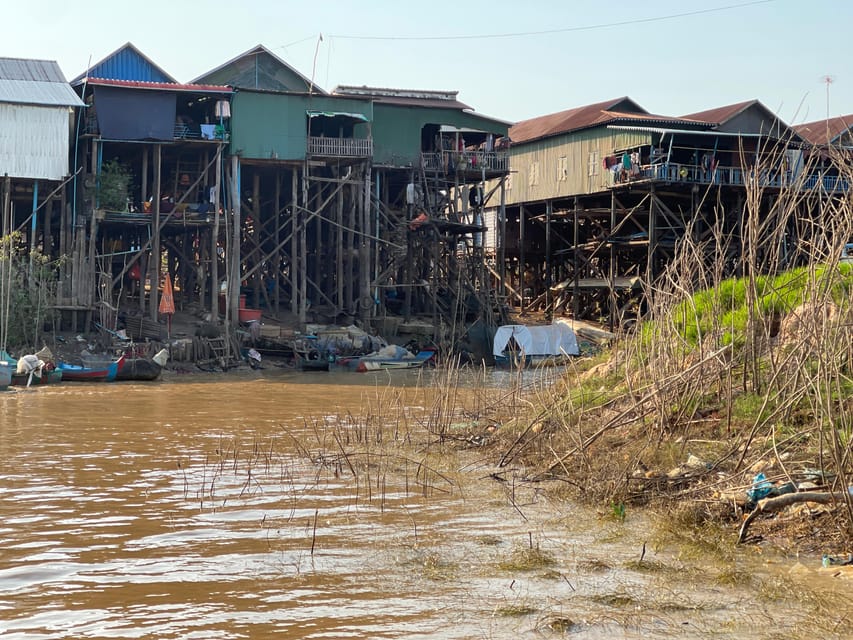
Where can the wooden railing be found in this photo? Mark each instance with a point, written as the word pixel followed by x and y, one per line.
pixel 340 147
pixel 731 176
pixel 448 161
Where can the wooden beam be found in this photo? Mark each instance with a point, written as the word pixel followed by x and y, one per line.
pixel 234 254
pixel 139 254
pixel 294 288
pixel 154 265
pixel 214 239
pixel 339 249
pixel 276 261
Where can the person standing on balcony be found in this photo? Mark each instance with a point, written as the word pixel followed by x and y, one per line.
pixel 626 167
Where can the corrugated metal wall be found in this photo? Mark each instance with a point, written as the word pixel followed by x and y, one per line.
pixel 34 141
pixel 275 126
pixel 566 165
pixel 397 130
pixel 127 64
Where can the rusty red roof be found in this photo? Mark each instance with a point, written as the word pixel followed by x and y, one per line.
pixel 824 131
pixel 592 115
pixel 719 115
pixel 162 86
pixel 564 121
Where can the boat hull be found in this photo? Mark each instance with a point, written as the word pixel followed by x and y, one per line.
pixel 139 369
pixel 388 364
pixel 47 377
pixel 311 364
pixel 75 373
pixel 532 362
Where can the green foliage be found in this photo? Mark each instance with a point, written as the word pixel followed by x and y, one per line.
pixel 29 284
pixel 725 308
pixel 617 511
pixel 113 186
pixel 747 406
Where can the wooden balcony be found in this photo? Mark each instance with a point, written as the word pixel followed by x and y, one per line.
pixel 673 172
pixel 340 147
pixel 468 161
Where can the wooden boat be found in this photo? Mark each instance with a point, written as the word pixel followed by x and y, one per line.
pixel 139 369
pixel 45 377
pixel 136 366
pixel 378 363
pixel 82 373
pixel 397 359
pixel 5 375
pixel 517 345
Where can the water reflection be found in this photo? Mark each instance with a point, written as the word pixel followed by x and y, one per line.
pixel 203 507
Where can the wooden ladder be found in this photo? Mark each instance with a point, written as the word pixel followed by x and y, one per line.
pixel 220 351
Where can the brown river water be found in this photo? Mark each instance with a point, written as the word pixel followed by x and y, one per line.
pixel 205 506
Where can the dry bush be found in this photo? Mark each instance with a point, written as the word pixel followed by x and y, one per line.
pixel 744 353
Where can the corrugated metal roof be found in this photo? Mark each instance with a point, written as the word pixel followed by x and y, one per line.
pixel 592 115
pixel 25 69
pixel 405 97
pixel 700 132
pixel 719 115
pixel 388 92
pixel 126 63
pixel 564 121
pixel 35 82
pixel 163 86
pixel 768 124
pixel 261 49
pixel 824 131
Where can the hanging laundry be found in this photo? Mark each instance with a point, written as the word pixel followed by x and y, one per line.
pixel 222 109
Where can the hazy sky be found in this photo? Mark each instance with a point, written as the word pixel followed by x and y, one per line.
pixel 779 51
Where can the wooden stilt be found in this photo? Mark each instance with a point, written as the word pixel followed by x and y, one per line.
pixel 256 216
pixel 276 261
pixel 154 266
pixel 294 253
pixel 339 250
pixel 234 255
pixel 214 237
pixel 364 254
pixel 145 174
pixel 576 290
pixel 549 309
pixel 522 246
pixel 303 249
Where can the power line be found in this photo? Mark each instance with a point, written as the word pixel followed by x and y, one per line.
pixel 522 34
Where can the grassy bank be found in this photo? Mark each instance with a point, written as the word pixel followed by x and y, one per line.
pixel 723 378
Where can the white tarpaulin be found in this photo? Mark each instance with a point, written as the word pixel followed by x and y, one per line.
pixel 550 340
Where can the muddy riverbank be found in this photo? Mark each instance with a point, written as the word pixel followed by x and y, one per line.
pixel 278 503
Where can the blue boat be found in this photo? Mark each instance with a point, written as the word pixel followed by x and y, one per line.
pixel 80 373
